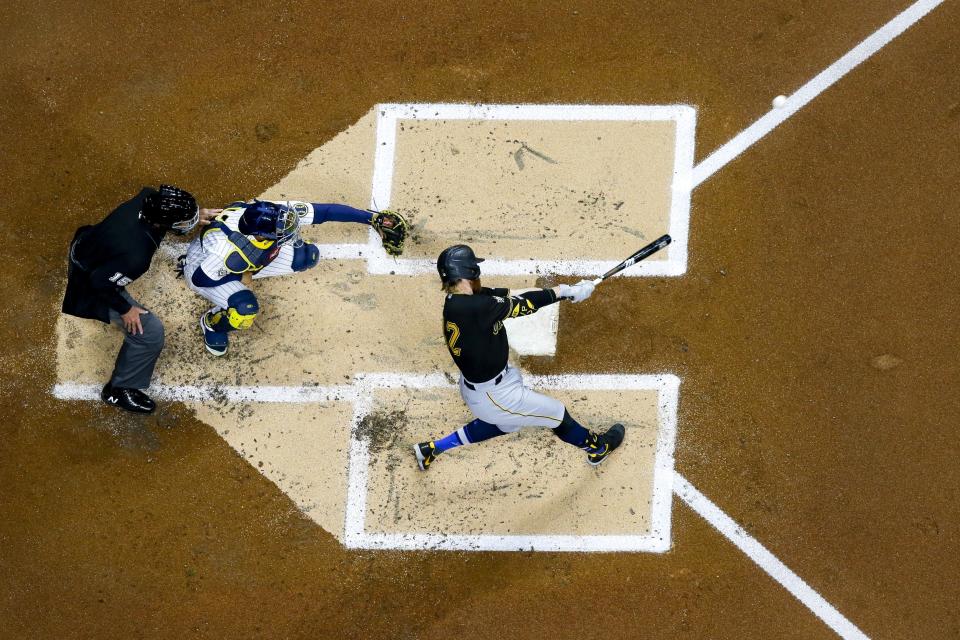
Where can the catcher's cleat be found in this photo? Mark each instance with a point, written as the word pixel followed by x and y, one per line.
pixel 601 446
pixel 132 400
pixel 426 453
pixel 215 341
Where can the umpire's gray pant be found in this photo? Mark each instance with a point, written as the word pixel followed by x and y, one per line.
pixel 139 353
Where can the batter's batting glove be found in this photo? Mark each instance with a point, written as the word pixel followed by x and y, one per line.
pixel 392 229
pixel 577 292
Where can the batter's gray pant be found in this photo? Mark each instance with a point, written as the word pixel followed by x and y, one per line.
pixel 139 353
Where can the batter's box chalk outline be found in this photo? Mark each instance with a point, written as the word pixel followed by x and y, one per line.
pixel 657 540
pixel 388 116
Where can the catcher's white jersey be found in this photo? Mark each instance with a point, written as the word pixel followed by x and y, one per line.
pixel 209 251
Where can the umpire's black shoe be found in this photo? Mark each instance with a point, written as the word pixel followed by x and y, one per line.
pixel 129 399
pixel 603 445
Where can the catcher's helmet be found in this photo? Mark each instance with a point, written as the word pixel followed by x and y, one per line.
pixel 172 208
pixel 458 262
pixel 271 221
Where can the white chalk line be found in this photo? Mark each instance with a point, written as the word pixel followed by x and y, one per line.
pixel 227 393
pixel 361 394
pixel 680 197
pixel 765 560
pixel 530 111
pixel 822 81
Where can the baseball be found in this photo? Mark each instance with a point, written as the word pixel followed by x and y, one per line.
pixel 779 101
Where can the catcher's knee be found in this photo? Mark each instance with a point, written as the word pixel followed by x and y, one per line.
pixel 305 257
pixel 242 309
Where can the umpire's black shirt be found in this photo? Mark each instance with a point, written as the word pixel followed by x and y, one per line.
pixel 474 331
pixel 106 257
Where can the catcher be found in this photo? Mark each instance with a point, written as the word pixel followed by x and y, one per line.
pixel 260 239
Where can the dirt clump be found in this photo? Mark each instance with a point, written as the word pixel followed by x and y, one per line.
pixel 381 428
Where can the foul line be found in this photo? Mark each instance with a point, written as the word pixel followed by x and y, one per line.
pixel 709 166
pixel 825 79
pixel 764 559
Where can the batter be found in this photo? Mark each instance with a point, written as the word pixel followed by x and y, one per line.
pixel 493 390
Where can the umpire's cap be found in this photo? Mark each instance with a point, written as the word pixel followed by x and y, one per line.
pixel 458 263
pixel 172 208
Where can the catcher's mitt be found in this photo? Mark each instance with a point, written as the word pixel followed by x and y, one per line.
pixel 392 228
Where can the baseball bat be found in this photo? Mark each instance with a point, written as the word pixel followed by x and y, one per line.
pixel 641 254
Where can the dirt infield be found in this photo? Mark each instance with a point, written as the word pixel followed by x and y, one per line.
pixel 815 329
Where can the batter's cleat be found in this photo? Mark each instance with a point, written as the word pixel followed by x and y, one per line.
pixel 603 445
pixel 132 400
pixel 215 341
pixel 426 453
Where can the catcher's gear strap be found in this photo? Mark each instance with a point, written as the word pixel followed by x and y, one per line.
pixel 392 229
pixel 247 255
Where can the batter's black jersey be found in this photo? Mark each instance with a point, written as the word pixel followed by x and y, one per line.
pixel 474 331
pixel 106 257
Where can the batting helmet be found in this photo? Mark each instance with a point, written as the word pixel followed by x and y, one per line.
pixel 172 208
pixel 271 221
pixel 458 262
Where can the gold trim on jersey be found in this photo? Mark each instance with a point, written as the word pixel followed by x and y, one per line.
pixel 519 307
pixel 525 415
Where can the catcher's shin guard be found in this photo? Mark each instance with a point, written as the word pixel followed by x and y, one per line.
pixel 240 314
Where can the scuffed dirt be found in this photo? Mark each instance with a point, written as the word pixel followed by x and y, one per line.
pixel 381 429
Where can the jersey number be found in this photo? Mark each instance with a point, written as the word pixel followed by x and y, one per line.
pixel 452 341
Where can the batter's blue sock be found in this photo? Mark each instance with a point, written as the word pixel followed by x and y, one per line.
pixel 572 431
pixel 476 431
pixel 447 442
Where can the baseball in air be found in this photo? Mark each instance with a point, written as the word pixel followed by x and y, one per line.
pixel 779 101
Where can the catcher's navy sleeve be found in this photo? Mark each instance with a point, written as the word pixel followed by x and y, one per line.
pixel 338 213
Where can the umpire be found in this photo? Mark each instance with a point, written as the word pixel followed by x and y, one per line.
pixel 104 259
